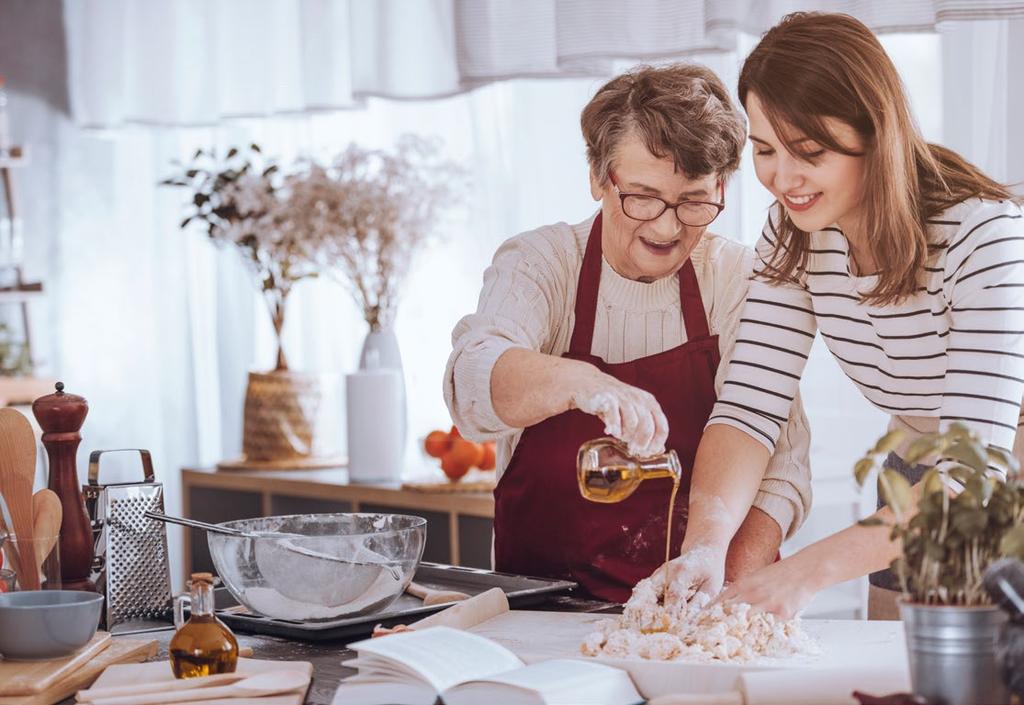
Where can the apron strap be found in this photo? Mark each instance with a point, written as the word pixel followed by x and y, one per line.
pixel 589 281
pixel 587 285
pixel 690 301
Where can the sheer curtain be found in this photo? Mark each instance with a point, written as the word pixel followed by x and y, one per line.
pixel 159 329
pixel 195 62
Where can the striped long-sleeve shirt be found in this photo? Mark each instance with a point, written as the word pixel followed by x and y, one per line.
pixel 954 351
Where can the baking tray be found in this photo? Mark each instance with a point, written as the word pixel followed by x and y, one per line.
pixel 522 591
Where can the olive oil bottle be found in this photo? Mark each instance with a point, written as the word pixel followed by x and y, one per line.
pixel 202 646
pixel 607 473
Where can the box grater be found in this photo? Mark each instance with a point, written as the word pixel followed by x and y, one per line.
pixel 131 550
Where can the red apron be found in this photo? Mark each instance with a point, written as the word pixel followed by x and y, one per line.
pixel 542 525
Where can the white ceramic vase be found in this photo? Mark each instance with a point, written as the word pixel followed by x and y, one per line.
pixel 377 412
pixel 383 345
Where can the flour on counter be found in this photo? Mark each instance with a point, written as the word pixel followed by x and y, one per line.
pixel 695 631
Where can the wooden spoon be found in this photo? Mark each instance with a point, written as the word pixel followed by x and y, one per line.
pixel 7 546
pixel 46 517
pixel 17 471
pixel 271 683
pixel 434 597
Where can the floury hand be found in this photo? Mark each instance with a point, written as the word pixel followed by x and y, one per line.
pixel 629 414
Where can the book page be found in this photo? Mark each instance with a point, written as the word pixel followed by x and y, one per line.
pixel 354 692
pixel 555 681
pixel 440 655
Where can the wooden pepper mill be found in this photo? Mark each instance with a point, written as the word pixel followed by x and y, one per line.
pixel 61 416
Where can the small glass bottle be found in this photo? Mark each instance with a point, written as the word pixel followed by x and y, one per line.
pixel 607 473
pixel 202 646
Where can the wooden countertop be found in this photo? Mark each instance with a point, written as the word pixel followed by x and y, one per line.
pixel 326 657
pixel 333 484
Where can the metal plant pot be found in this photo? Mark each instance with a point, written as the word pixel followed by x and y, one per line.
pixel 952 652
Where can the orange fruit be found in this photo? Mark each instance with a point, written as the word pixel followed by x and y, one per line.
pixel 490 458
pixel 437 443
pixel 468 453
pixel 454 433
pixel 453 466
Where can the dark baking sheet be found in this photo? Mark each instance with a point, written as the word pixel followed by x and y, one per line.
pixel 522 591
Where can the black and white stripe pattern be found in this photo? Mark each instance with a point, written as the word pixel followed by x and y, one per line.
pixel 954 350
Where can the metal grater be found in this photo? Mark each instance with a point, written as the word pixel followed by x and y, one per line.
pixel 131 549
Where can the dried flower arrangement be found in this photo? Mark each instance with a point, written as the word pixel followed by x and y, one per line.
pixel 968 512
pixel 363 216
pixel 374 210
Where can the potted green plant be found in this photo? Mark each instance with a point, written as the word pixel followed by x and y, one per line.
pixel 966 512
pixel 246 202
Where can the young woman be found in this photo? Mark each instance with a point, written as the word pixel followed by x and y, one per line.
pixel 908 261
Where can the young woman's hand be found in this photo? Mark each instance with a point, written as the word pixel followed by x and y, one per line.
pixel 629 414
pixel 700 569
pixel 783 588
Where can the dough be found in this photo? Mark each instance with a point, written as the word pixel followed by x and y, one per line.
pixel 696 631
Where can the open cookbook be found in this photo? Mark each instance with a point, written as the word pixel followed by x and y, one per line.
pixel 461 668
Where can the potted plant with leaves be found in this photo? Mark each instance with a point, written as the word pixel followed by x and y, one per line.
pixel 965 513
pixel 246 202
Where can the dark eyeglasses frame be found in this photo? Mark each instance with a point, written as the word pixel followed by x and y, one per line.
pixel 720 205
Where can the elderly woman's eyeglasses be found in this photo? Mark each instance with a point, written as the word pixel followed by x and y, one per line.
pixel 640 206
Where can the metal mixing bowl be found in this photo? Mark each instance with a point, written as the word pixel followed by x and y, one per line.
pixel 321 566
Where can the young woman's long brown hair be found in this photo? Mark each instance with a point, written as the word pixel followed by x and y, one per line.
pixel 813 66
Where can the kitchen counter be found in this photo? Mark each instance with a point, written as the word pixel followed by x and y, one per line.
pixel 326 657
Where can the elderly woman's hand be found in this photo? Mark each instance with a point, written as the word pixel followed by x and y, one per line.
pixel 700 569
pixel 629 414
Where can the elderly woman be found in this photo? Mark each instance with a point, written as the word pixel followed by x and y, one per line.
pixel 617 325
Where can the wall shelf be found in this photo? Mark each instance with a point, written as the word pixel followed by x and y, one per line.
pixel 23 390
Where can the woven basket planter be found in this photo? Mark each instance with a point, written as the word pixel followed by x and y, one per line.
pixel 283 426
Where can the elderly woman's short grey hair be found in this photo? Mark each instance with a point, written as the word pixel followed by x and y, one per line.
pixel 682 111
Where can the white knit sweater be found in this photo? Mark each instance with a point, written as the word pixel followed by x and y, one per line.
pixel 527 301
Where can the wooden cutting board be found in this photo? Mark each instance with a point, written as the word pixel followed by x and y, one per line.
pixel 119 651
pixel 876 647
pixel 436 482
pixel 28 677
pixel 156 671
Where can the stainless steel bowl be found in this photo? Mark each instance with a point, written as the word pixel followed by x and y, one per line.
pixel 319 566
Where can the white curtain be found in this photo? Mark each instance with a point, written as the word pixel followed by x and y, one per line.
pixel 159 329
pixel 197 62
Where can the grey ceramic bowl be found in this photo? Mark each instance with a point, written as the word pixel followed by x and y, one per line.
pixel 46 624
